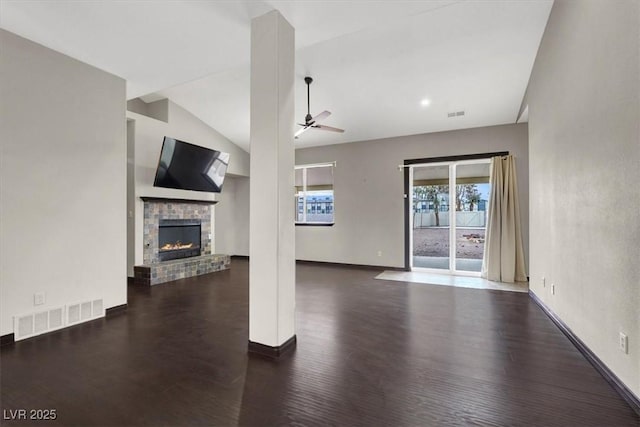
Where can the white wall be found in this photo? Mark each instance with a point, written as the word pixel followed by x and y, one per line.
pixel 368 190
pixel 148 137
pixel 62 180
pixel 584 146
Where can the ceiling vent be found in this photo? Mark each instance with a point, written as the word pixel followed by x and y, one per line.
pixel 455 114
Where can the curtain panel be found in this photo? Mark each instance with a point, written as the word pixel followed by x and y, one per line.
pixel 503 259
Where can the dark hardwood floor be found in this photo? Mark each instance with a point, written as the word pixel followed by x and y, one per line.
pixel 369 353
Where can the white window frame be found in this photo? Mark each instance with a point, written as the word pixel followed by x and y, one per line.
pixel 304 169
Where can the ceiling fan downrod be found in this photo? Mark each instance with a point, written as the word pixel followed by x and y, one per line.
pixel 308 118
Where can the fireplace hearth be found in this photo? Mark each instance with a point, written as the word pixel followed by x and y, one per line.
pixel 178 238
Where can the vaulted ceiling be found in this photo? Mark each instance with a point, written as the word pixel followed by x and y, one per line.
pixel 373 62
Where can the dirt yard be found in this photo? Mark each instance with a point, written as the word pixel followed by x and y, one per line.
pixel 432 241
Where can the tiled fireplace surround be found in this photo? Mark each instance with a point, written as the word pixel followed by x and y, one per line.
pixel 155 271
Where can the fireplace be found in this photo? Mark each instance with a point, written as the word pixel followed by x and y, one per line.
pixel 178 238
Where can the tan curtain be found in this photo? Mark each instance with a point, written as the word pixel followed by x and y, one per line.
pixel 503 253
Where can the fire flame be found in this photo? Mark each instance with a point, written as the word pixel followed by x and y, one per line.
pixel 176 245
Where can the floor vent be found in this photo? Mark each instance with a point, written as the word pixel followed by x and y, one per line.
pixel 40 322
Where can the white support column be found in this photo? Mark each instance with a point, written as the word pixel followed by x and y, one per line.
pixel 272 207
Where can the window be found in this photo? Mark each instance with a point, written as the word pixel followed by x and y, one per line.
pixel 314 194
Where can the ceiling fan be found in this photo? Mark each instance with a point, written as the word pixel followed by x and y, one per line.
pixel 312 122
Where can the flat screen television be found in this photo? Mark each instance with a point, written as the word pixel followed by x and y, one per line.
pixel 190 167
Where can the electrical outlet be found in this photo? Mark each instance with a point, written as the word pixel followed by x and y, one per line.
pixel 379 253
pixel 544 282
pixel 38 299
pixel 553 289
pixel 624 343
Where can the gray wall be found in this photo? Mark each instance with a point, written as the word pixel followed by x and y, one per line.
pixel 147 140
pixel 368 190
pixel 242 216
pixel 232 217
pixel 158 110
pixel 224 219
pixel 584 146
pixel 131 194
pixel 62 179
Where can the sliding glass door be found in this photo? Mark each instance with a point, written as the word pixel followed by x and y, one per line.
pixel 430 216
pixel 448 214
pixel 472 202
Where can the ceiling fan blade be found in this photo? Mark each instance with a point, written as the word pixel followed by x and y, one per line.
pixel 301 131
pixel 320 116
pixel 329 128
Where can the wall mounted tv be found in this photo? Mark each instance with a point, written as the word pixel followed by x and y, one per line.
pixel 190 167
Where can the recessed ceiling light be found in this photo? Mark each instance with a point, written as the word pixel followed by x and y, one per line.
pixel 425 102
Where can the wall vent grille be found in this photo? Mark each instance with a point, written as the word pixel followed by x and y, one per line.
pixel 98 310
pixel 56 318
pixel 40 322
pixel 84 311
pixel 25 326
pixel 73 314
pixel 455 114
pixel 37 323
